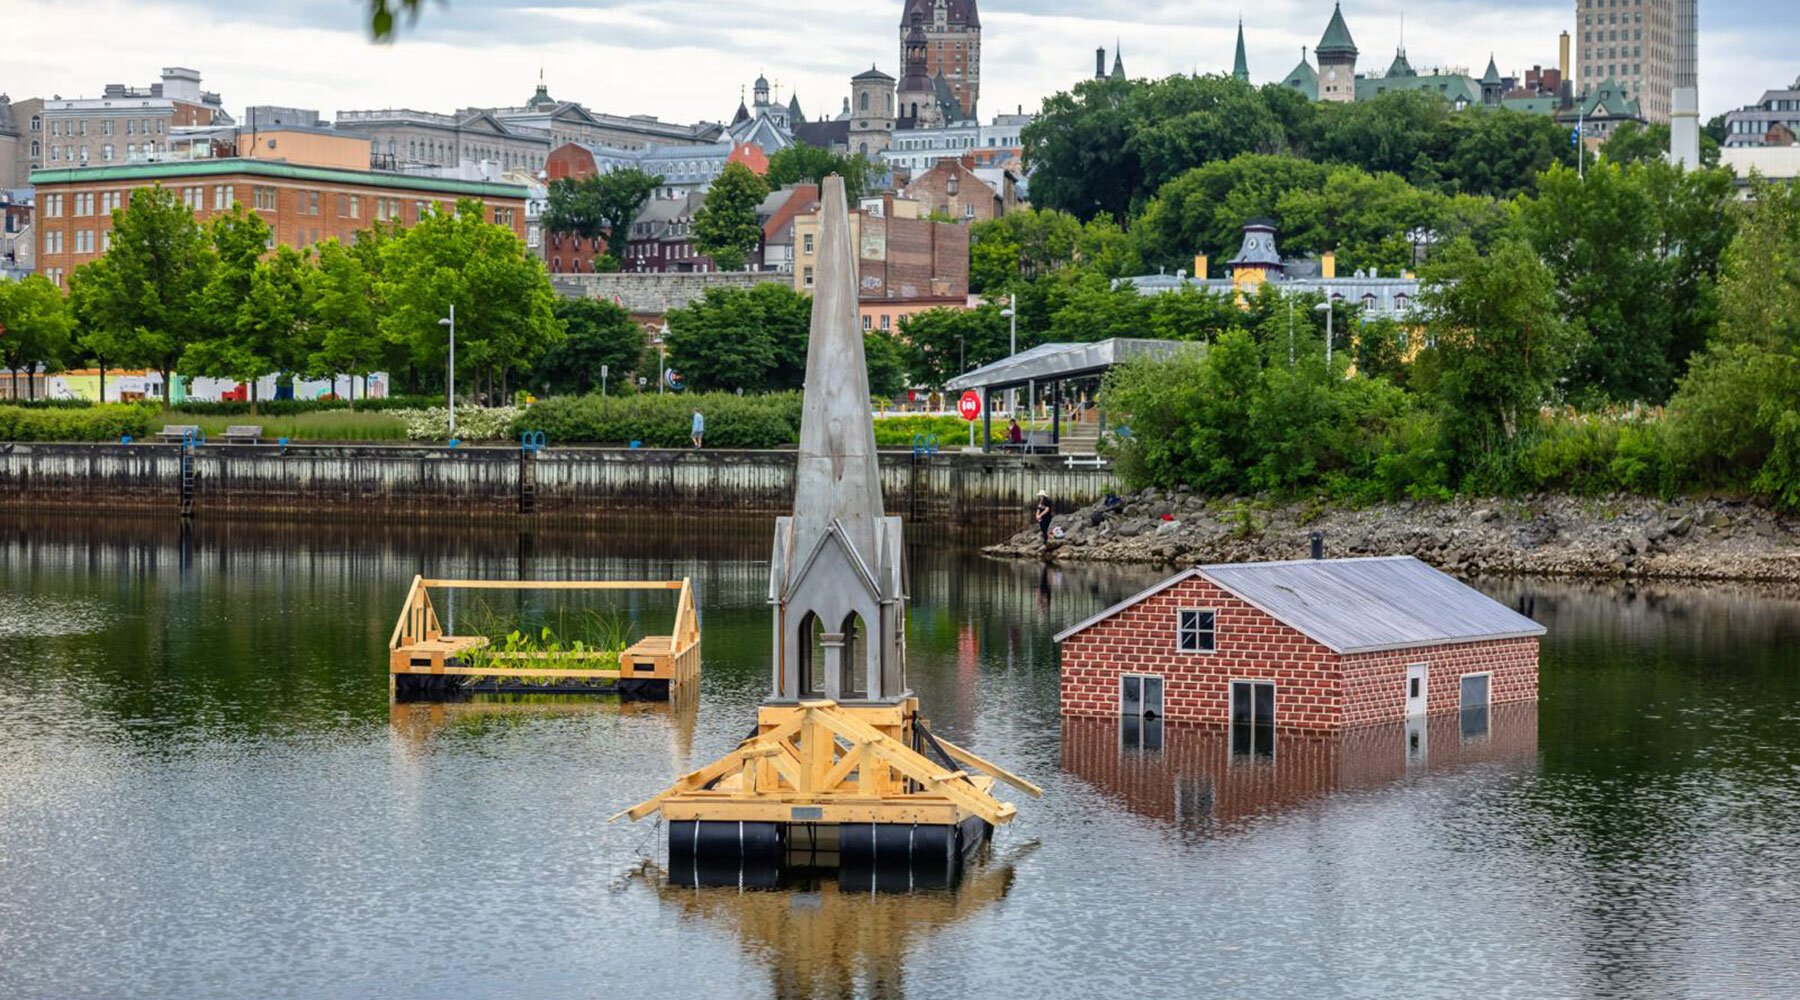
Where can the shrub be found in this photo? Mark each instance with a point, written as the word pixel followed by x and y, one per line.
pixel 332 425
pixel 898 432
pixel 91 423
pixel 292 407
pixel 664 421
pixel 473 423
pixel 50 404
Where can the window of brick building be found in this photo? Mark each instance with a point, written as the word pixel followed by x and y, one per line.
pixel 1141 695
pixel 1473 700
pixel 1253 718
pixel 312 203
pixel 1196 630
pixel 263 198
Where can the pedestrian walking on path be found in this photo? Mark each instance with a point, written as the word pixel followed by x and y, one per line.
pixel 699 430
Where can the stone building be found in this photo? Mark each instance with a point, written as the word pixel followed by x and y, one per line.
pixel 872 115
pixel 18 160
pixel 1337 60
pixel 304 203
pixel 1307 645
pixel 126 124
pixel 997 144
pixel 950 32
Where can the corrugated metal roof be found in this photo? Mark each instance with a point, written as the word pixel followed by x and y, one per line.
pixel 1358 605
pixel 1063 360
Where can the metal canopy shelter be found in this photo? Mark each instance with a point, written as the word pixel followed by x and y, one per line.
pixel 1055 364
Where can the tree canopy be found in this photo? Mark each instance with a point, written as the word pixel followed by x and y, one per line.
pixel 725 227
pixel 598 206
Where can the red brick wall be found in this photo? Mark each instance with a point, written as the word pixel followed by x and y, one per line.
pixel 1314 687
pixel 1196 686
pixel 1375 683
pixel 1195 777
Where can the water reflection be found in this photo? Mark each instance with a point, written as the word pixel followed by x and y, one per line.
pixel 419 724
pixel 1211 777
pixel 819 939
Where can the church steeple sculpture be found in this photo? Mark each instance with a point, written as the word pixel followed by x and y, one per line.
pixel 836 576
pixel 1240 67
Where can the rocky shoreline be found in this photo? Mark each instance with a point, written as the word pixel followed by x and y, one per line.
pixel 1617 537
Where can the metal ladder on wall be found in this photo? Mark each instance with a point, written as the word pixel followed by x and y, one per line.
pixel 190 443
pixel 530 443
pixel 919 497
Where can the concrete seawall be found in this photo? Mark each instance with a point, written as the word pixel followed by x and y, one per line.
pixel 380 481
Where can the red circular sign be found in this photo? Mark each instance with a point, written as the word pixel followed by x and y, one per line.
pixel 969 405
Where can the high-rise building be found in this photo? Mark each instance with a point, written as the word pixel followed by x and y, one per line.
pixel 1632 42
pixel 952 30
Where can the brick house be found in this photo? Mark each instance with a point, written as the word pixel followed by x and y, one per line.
pixel 955 187
pixel 1311 644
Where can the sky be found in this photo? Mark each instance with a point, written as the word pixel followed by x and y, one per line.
pixel 688 60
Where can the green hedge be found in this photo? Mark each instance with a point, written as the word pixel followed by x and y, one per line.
pixel 93 423
pixel 294 407
pixel 732 421
pixel 50 404
pixel 898 432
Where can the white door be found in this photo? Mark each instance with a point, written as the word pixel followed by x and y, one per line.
pixel 1415 690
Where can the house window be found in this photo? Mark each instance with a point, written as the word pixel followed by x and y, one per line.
pixel 264 198
pixel 312 203
pixel 106 152
pixel 1141 696
pixel 1474 704
pixel 221 197
pixel 868 321
pixel 1196 630
pixel 807 244
pixel 806 276
pixel 1253 718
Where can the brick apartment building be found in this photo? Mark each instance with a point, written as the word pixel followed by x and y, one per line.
pixel 960 189
pixel 1313 644
pixel 905 264
pixel 312 193
pixel 125 124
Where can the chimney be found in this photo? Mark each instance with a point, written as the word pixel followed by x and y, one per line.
pixel 1199 267
pixel 1562 55
pixel 1328 264
pixel 1100 63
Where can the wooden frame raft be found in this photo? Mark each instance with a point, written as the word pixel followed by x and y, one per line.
pixel 657 665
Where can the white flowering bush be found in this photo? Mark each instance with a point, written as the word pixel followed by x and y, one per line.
pixel 472 423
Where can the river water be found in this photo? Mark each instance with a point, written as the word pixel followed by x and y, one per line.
pixel 205 793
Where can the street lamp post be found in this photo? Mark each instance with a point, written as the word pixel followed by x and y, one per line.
pixel 1325 307
pixel 1011 313
pixel 662 367
pixel 450 321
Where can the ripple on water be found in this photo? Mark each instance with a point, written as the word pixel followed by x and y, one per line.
pixel 31 616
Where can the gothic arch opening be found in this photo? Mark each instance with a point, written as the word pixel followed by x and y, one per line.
pixel 812 657
pixel 855 680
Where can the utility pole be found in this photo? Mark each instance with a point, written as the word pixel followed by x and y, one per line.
pixel 451 323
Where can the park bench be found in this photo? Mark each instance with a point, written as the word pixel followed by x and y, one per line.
pixel 243 434
pixel 1084 461
pixel 178 432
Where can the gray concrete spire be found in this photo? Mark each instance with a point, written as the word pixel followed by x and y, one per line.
pixel 837 478
pixel 836 574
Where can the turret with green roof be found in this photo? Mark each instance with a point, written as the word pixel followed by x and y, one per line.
pixel 1337 60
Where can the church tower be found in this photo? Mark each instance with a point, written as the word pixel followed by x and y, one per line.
pixel 871 112
pixel 1337 60
pixel 952 31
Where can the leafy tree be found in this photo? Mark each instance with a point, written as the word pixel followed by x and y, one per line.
pixel 595 333
pixel 599 205
pixel 1493 152
pixel 226 342
pixel 886 364
pixel 35 326
pixel 800 162
pixel 1498 339
pixel 344 308
pixel 504 305
pixel 1390 133
pixel 278 315
pixel 1634 250
pixel 1635 143
pixel 939 344
pixel 139 302
pixel 1024 245
pixel 1079 150
pixel 725 227
pixel 733 338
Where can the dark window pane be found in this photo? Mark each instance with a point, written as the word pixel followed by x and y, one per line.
pixel 1131 700
pixel 1474 722
pixel 1474 691
pixel 1153 735
pixel 1153 696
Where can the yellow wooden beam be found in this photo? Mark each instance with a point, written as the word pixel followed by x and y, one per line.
pixel 962 756
pixel 554 584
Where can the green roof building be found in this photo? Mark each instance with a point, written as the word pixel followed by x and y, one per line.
pixel 1303 78
pixel 1337 60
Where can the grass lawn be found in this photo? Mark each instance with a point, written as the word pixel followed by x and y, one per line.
pixel 329 425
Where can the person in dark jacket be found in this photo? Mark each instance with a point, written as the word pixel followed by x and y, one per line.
pixel 1042 515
